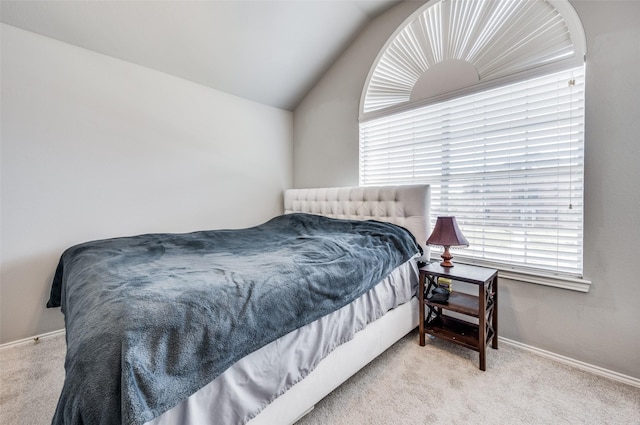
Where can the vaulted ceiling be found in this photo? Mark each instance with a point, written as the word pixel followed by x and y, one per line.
pixel 270 51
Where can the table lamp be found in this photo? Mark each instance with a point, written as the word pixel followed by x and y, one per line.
pixel 447 234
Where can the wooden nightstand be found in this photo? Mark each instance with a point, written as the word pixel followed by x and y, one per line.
pixel 484 307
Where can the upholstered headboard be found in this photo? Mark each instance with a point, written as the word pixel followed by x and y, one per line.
pixel 406 206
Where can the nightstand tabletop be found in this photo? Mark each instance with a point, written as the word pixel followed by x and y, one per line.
pixel 461 272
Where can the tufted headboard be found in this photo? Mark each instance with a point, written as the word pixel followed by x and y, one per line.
pixel 406 206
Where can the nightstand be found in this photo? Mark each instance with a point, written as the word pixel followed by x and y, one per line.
pixel 484 307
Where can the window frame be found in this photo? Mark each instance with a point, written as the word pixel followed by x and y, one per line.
pixel 517 273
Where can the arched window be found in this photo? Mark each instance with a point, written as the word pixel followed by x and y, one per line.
pixel 484 100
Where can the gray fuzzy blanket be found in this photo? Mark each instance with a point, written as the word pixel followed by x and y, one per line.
pixel 151 319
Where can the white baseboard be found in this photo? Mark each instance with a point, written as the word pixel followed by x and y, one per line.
pixel 596 370
pixel 31 340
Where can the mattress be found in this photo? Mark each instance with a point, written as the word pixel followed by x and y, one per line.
pixel 249 385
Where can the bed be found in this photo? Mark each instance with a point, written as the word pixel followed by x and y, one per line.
pixel 262 380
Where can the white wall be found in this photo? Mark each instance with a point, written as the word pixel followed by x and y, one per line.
pixel 601 327
pixel 94 147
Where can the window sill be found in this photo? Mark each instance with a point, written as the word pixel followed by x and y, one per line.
pixel 564 282
pixel 571 283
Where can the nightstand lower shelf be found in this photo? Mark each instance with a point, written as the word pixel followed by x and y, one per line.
pixel 458 331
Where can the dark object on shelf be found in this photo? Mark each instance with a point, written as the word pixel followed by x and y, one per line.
pixel 439 295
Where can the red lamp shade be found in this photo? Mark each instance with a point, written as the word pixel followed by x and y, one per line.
pixel 447 233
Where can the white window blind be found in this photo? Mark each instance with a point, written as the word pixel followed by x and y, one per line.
pixel 499 38
pixel 507 162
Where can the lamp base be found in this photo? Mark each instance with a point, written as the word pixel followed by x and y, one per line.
pixel 446 257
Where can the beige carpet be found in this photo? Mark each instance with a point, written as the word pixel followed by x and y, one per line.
pixel 436 384
pixel 441 384
pixel 31 378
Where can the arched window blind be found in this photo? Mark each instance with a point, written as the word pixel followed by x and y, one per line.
pixel 506 159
